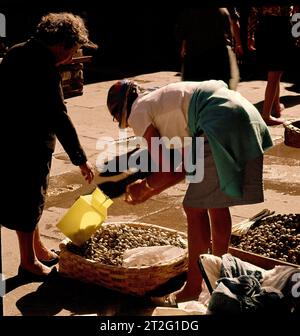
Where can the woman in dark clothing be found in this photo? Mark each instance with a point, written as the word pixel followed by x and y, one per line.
pixel 206 35
pixel 269 31
pixel 33 114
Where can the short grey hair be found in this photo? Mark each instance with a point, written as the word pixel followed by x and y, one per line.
pixel 64 28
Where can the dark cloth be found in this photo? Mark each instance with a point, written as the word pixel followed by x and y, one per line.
pixel 203 29
pixel 210 64
pixel 233 267
pixel 274 43
pixel 207 34
pixel 239 290
pixel 33 114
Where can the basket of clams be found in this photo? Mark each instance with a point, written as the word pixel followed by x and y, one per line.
pixel 276 237
pixel 292 133
pixel 132 258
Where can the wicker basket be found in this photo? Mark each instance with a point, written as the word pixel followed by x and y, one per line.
pixel 292 133
pixel 129 280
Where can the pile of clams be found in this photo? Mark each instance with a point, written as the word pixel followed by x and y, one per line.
pixel 108 244
pixel 276 237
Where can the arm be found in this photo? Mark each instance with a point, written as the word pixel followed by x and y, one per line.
pixel 160 180
pixel 142 190
pixel 67 136
pixel 65 130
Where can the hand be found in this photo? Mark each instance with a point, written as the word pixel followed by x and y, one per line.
pixel 87 171
pixel 138 192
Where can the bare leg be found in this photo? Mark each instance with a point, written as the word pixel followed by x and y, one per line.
pixel 220 220
pixel 42 252
pixel 29 260
pixel 272 98
pixel 198 243
pixel 277 106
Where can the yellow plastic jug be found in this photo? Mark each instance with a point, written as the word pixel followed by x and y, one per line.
pixel 85 216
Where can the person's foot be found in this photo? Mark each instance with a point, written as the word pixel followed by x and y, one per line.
pixel 37 268
pixel 44 254
pixel 277 110
pixel 50 259
pixel 271 121
pixel 182 295
pixel 187 294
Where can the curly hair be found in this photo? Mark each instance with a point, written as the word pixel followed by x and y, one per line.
pixel 64 28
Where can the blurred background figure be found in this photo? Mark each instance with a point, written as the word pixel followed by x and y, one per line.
pixel 269 32
pixel 207 37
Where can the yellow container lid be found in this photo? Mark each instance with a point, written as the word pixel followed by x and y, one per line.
pixel 85 217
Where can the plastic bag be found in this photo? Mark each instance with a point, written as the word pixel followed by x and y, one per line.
pixel 150 255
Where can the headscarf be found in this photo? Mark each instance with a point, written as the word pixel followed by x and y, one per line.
pixel 117 100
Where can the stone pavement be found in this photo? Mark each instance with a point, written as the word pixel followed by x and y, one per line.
pixel 69 297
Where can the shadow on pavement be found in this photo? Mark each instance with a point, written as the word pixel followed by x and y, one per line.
pixel 115 166
pixel 288 101
pixel 119 165
pixel 294 88
pixel 115 189
pixel 15 282
pixel 128 162
pixel 78 298
pixel 259 105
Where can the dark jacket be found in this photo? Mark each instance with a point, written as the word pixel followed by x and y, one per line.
pixel 33 114
pixel 32 103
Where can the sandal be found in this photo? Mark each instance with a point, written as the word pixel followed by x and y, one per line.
pixel 32 277
pixel 53 261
